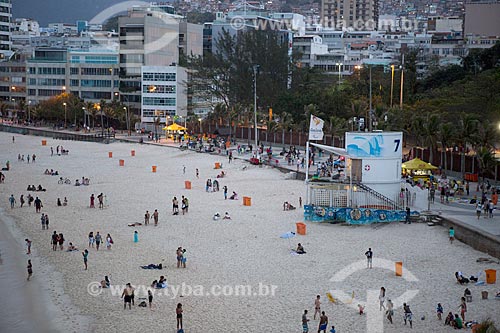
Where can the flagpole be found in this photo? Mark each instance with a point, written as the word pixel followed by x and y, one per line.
pixel 307 160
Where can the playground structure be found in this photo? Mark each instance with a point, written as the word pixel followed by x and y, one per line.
pixel 370 190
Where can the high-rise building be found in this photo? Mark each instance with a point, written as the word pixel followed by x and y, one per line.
pixel 5 21
pixel 152 36
pixel 350 14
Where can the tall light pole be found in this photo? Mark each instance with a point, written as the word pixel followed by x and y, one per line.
pixel 370 111
pixel 392 83
pixel 29 111
pixel 65 113
pixel 84 117
pixel 340 74
pixel 402 83
pixel 255 69
pixel 201 130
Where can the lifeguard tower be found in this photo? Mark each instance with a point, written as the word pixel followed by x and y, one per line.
pixel 369 190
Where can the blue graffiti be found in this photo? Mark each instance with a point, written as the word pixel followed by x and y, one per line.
pixel 353 215
pixel 364 147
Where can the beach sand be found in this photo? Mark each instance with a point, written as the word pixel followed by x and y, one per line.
pixel 246 250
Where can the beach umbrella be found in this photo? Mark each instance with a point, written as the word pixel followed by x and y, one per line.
pixel 288 235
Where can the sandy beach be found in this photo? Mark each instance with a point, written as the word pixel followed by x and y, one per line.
pixel 223 254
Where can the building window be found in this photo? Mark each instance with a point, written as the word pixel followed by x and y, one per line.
pixel 158 101
pixel 74 83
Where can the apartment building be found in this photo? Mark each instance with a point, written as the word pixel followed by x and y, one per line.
pixel 350 14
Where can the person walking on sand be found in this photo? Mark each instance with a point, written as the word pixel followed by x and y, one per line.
pixel 85 258
pixel 136 236
pixel 390 310
pixel 12 201
pixel 305 322
pixel 42 220
pixel 92 200
pixel 369 258
pixel 155 217
pixel 184 258
pixel 38 205
pixel 317 306
pixel 47 221
pixel 175 206
pixel 408 316
pixel 28 246
pixel 60 240
pixel 91 239
pixel 127 298
pixel 178 313
pixel 439 311
pixel 323 322
pixel 51 151
pixel 98 240
pixel 225 192
pixel 21 200
pixel 100 197
pixel 109 241
pixel 146 218
pixel 55 237
pixel 179 256
pixel 381 298
pixel 150 298
pixel 30 270
pixel 197 173
pixel 479 209
pixel 463 309
pixel 451 233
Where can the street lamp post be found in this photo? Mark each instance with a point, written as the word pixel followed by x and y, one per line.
pixel 201 130
pixel 65 113
pixel 29 112
pixel 392 83
pixel 402 82
pixel 340 73
pixel 370 111
pixel 255 69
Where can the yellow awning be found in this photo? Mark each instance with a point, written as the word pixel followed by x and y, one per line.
pixel 418 164
pixel 175 127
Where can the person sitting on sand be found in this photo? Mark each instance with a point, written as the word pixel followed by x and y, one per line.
pixel 449 319
pixel 55 173
pixel 40 188
pixel 300 249
pixel 71 247
pixel 105 283
pixel 216 216
pixel 77 183
pixel 47 172
pixel 234 196
pixel 460 278
pixel 227 216
pixel 65 202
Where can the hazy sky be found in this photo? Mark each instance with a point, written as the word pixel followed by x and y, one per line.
pixel 52 11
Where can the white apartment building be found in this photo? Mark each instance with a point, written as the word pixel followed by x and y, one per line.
pixel 5 22
pixel 164 93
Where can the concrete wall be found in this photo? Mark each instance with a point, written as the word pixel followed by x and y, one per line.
pixel 477 239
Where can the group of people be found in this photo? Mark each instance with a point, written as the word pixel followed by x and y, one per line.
pixel 212 186
pixel 97 240
pixel 184 205
pixel 20 158
pixel 217 216
pixel 51 172
pixel 323 318
pixel 84 181
pixel 33 188
pixel 100 198
pixel 147 217
pixel 181 257
pixel 37 202
pixel 63 203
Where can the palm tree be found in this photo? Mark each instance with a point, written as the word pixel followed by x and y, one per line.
pixel 92 111
pixel 271 126
pixel 430 133
pixel 337 127
pixel 467 133
pixel 21 107
pixel 285 124
pixel 445 135
pixel 486 159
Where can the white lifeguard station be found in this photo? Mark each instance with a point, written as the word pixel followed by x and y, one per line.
pixel 369 190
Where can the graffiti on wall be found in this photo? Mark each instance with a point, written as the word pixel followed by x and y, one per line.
pixel 353 215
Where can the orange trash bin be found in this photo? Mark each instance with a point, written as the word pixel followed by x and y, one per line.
pixel 153 168
pixel 122 162
pixel 132 153
pixel 44 142
pixel 217 165
pixel 110 154
pixel 187 185
pixel 301 228
pixel 399 268
pixel 247 201
pixel 491 276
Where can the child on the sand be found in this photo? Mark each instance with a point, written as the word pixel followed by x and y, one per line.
pixel 361 309
pixel 451 233
pixel 439 311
